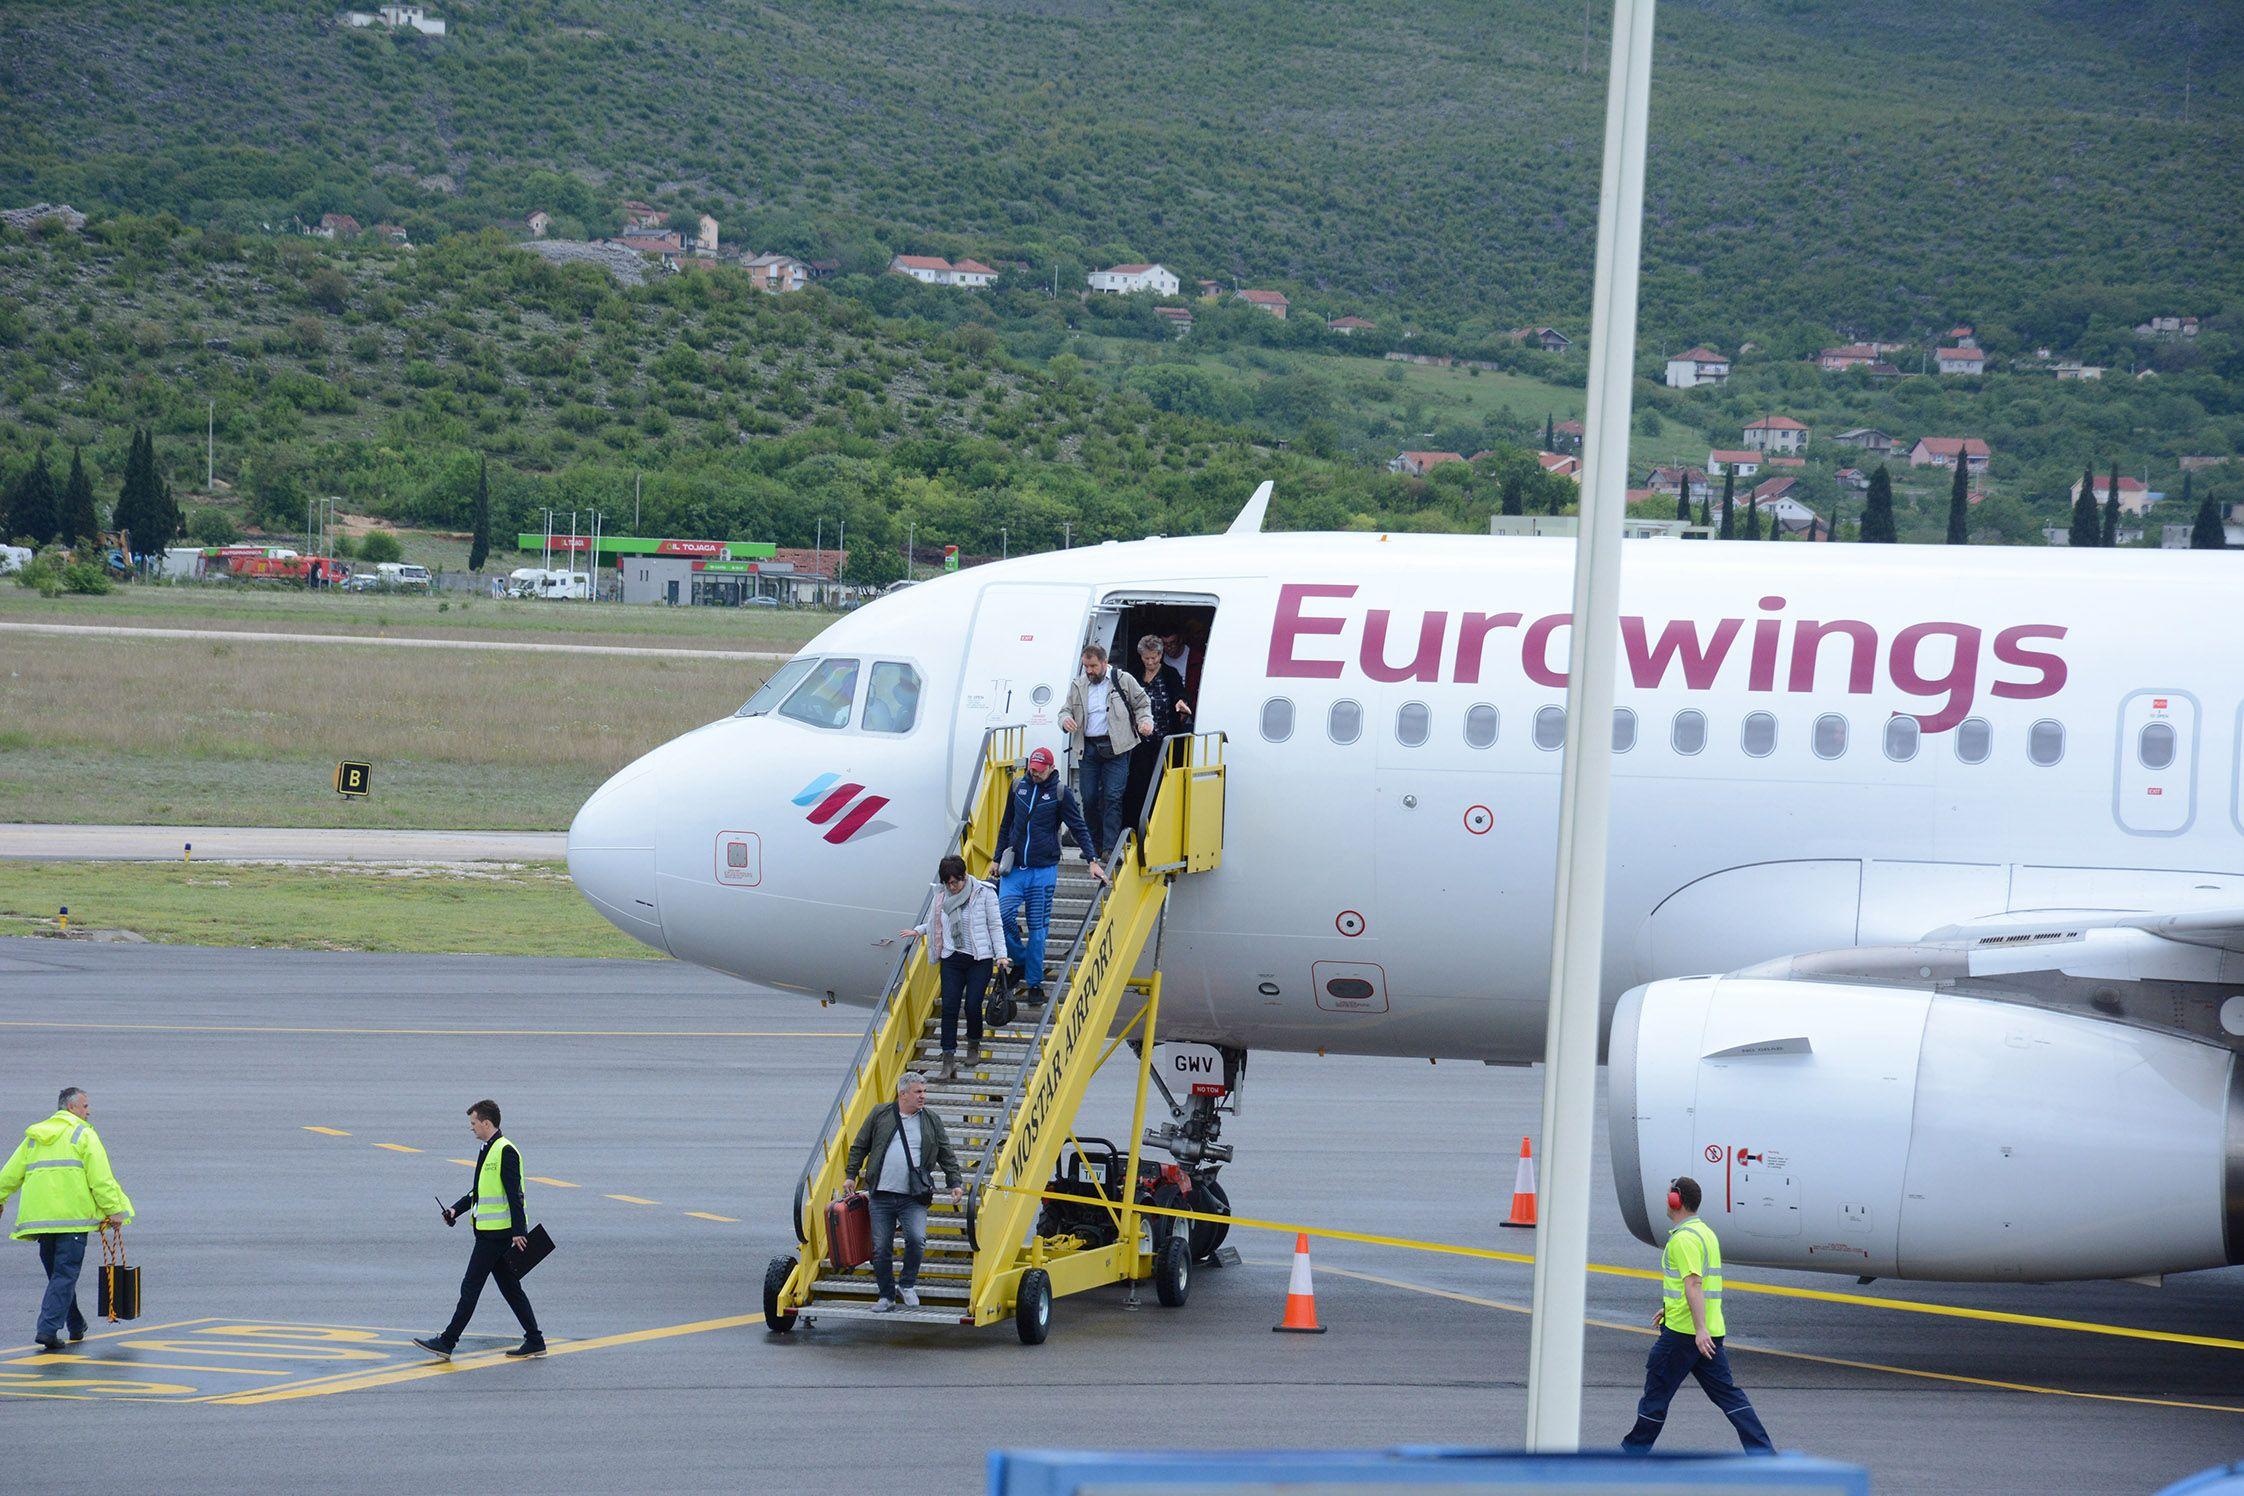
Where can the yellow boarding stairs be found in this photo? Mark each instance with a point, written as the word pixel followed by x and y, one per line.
pixel 1014 1104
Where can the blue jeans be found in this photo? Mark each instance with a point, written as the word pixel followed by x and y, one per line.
pixel 964 981
pixel 1676 1356
pixel 1029 889
pixel 61 1257
pixel 889 1210
pixel 1104 774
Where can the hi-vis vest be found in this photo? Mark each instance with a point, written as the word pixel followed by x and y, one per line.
pixel 492 1212
pixel 1685 1246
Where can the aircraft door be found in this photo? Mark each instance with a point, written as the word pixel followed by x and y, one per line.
pixel 2154 790
pixel 1020 655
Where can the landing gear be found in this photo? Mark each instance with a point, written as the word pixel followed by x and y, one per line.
pixel 1207 1236
pixel 775 1279
pixel 1191 1136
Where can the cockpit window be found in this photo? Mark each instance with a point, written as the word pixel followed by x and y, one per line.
pixel 774 690
pixel 893 702
pixel 825 696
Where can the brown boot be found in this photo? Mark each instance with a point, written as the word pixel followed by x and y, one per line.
pixel 948 1071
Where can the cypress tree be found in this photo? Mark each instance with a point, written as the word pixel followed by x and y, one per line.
pixel 139 500
pixel 1514 494
pixel 1834 523
pixel 479 548
pixel 2087 528
pixel 1706 521
pixel 1550 432
pixel 2208 534
pixel 1752 518
pixel 2111 509
pixel 1877 510
pixel 171 519
pixel 1729 519
pixel 1815 527
pixel 1959 503
pixel 1683 500
pixel 31 503
pixel 78 519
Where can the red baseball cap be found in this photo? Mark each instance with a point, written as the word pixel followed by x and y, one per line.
pixel 1040 758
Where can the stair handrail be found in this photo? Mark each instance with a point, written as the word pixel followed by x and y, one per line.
pixel 1000 745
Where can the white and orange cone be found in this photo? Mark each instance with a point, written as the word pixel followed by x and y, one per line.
pixel 1301 1297
pixel 1523 1189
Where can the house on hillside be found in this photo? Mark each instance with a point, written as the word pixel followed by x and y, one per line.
pixel 392 233
pixel 540 222
pixel 1123 280
pixel 2200 464
pixel 1775 499
pixel 1418 464
pixel 705 235
pixel 777 273
pixel 1962 336
pixel 1562 464
pixel 823 269
pixel 638 215
pixel 1846 356
pixel 2074 369
pixel 1853 478
pixel 335 226
pixel 397 18
pixel 1960 360
pixel 1273 302
pixel 1940 451
pixel 2135 495
pixel 1549 339
pixel 1669 481
pixel 1700 365
pixel 933 270
pixel 1209 289
pixel 1348 327
pixel 1178 317
pixel 1745 462
pixel 1881 371
pixel 667 244
pixel 1787 462
pixel 1567 435
pixel 2168 328
pixel 1867 438
pixel 1776 434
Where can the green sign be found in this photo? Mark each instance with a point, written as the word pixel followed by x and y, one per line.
pixel 729 568
pixel 615 547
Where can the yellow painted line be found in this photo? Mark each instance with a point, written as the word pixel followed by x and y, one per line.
pixel 559 1184
pixel 397 1147
pixel 634 1200
pixel 332 1132
pixel 703 1215
pixel 65 1358
pixel 218 1028
pixel 1734 1285
pixel 172 1324
pixel 495 1358
pixel 465 1163
pixel 1734 1344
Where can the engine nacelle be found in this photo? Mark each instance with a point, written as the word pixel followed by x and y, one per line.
pixel 1908 1133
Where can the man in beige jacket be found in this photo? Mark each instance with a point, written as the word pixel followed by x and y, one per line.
pixel 1106 713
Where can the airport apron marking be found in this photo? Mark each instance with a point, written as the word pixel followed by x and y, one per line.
pixel 205 1360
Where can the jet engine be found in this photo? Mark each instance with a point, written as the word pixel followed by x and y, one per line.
pixel 1901 1132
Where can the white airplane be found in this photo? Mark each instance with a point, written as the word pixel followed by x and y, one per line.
pixel 1961 826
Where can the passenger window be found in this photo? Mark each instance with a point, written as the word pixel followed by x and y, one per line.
pixel 1480 726
pixel 774 690
pixel 1277 719
pixel 1550 728
pixel 1345 722
pixel 1758 734
pixel 2045 742
pixel 1975 740
pixel 1830 737
pixel 2156 745
pixel 1412 723
pixel 825 696
pixel 892 705
pixel 1624 729
pixel 1902 736
pixel 1688 735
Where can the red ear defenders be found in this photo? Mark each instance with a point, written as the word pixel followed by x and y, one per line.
pixel 1674 1198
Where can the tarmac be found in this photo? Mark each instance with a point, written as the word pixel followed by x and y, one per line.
pixel 283 1121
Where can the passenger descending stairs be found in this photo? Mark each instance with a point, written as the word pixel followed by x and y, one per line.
pixel 1035 1067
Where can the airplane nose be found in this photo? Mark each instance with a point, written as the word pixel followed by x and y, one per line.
pixel 612 854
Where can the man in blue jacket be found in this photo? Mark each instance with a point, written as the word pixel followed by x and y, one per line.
pixel 1028 849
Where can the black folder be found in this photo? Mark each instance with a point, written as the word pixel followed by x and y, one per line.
pixel 521 1259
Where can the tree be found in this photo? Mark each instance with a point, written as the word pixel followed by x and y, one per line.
pixel 381 545
pixel 2087 528
pixel 2111 509
pixel 1834 522
pixel 1815 527
pixel 78 519
pixel 479 547
pixel 2208 533
pixel 1959 503
pixel 1550 433
pixel 1706 520
pixel 1729 519
pixel 1877 510
pixel 1752 518
pixel 213 527
pixel 31 503
pixel 1776 524
pixel 140 502
pixel 1683 500
pixel 1514 493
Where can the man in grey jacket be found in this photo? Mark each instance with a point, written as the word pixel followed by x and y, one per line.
pixel 1106 713
pixel 898 1146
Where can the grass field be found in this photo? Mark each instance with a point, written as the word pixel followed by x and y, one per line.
pixel 508 911
pixel 207 731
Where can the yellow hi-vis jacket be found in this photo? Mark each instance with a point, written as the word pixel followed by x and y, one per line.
pixel 1691 1248
pixel 63 1172
pixel 493 1211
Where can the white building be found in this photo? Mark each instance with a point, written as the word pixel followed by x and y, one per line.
pixel 778 273
pixel 1699 366
pixel 1776 434
pixel 398 18
pixel 540 222
pixel 1121 280
pixel 1719 462
pixel 1960 360
pixel 933 270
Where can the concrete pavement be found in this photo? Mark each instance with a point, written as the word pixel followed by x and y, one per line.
pixel 283 1120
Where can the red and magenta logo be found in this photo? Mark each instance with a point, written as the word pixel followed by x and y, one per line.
pixel 844 809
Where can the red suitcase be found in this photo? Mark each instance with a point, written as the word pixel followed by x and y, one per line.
pixel 849 1232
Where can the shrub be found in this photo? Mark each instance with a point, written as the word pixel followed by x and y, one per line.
pixel 380 545
pixel 88 577
pixel 213 527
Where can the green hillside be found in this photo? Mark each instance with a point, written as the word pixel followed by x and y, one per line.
pixel 2050 171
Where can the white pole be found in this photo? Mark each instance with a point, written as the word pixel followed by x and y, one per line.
pixel 911 544
pixel 635 503
pixel 841 549
pixel 1554 1364
pixel 210 447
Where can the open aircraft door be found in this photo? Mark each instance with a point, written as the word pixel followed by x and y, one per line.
pixel 1020 655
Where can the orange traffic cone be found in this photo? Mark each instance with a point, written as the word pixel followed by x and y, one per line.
pixel 1523 1189
pixel 1301 1299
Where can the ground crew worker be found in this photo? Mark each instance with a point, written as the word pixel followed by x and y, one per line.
pixel 502 1222
pixel 1691 1330
pixel 68 1190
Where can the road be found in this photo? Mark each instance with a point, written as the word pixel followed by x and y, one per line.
pixel 512 646
pixel 283 1120
pixel 31 842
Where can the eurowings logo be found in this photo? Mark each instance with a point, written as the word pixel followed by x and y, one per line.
pixel 830 801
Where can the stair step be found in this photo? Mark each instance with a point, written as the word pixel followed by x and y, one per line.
pixel 829 1309
pixel 946 1294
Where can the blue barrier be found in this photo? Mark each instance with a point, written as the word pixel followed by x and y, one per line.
pixel 1068 1472
pixel 2222 1480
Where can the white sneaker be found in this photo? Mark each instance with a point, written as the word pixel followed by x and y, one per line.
pixel 886 1306
pixel 911 1298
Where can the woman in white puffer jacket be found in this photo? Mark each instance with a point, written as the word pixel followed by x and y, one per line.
pixel 969 944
